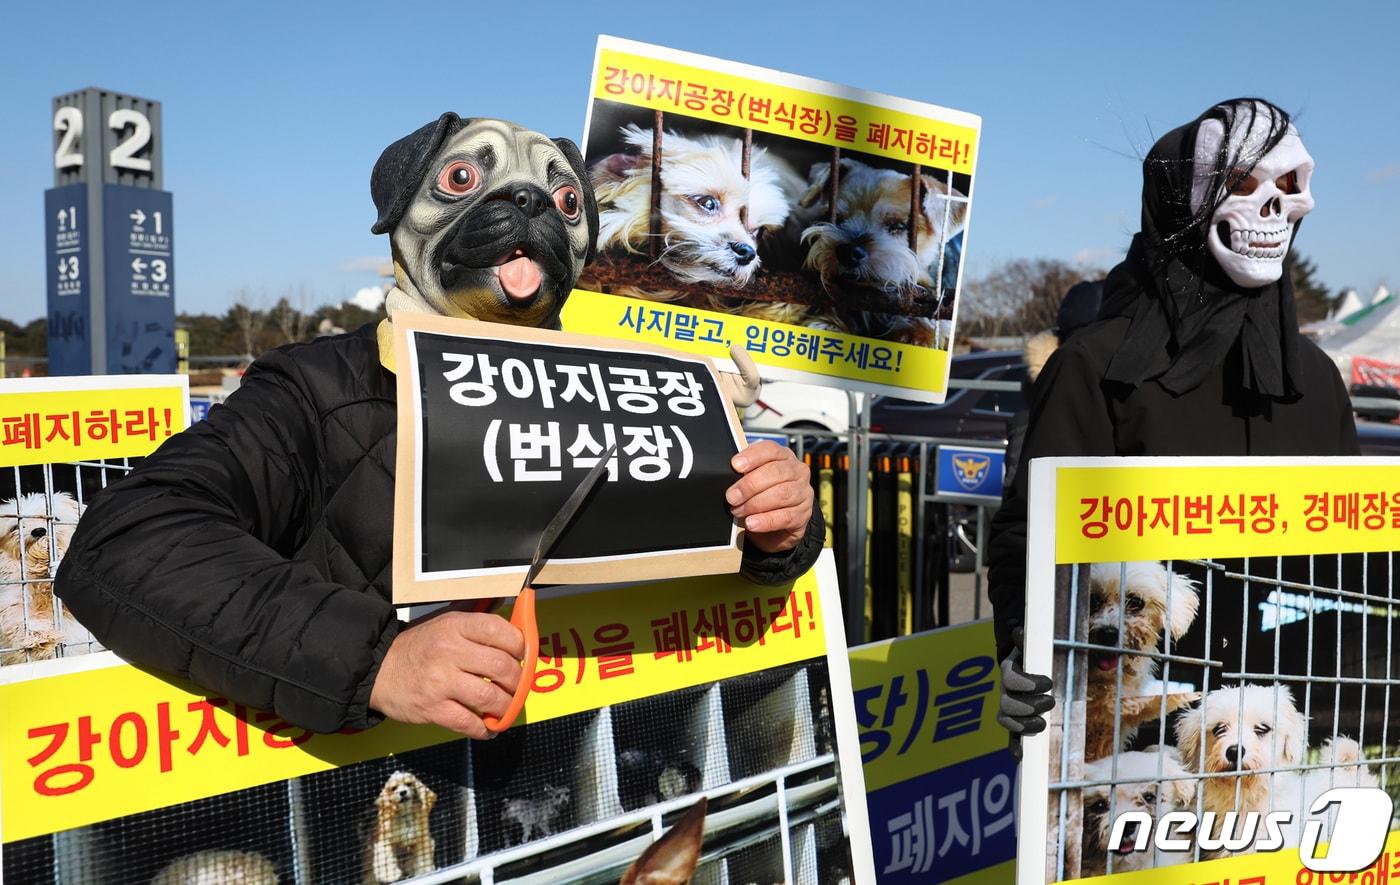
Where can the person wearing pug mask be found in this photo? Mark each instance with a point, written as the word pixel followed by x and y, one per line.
pixel 1196 350
pixel 251 553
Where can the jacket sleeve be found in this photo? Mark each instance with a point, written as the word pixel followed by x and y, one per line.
pixel 1068 416
pixel 1347 441
pixel 177 566
pixel 779 568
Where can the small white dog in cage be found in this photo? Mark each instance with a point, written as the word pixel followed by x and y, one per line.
pixel 218 868
pixel 401 845
pixel 702 192
pixel 1137 789
pixel 33 538
pixel 1253 728
pixel 1143 590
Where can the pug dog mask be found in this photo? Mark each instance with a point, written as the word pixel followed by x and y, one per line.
pixel 487 220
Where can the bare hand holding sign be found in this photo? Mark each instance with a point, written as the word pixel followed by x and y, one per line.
pixel 450 669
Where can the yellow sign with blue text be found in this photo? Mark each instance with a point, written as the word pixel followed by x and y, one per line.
pixel 936 761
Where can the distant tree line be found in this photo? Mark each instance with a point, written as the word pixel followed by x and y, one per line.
pixel 252 325
pixel 1021 297
pixel 1017 298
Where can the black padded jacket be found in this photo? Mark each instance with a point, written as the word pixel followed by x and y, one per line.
pixel 251 553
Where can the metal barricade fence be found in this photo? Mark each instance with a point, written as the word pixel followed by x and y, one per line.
pixel 906 568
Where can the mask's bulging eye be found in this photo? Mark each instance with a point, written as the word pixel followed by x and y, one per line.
pixel 459 179
pixel 567 201
pixel 1288 182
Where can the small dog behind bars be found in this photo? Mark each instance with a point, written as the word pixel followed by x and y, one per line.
pixel 1132 606
pixel 1243 732
pixel 703 192
pixel 34 534
pixel 539 815
pixel 401 845
pixel 866 243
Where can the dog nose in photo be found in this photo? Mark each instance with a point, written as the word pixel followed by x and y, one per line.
pixel 1104 636
pixel 39 532
pixel 530 200
pixel 743 253
pixel 851 254
pixel 1232 754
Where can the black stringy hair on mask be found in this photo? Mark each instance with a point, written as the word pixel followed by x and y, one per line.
pixel 1231 165
pixel 1186 315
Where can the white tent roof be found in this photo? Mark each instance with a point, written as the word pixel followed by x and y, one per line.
pixel 1373 331
pixel 1350 303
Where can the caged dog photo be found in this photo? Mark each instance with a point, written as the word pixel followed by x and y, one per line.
pixel 35 529
pixel 773 227
pixel 1217 689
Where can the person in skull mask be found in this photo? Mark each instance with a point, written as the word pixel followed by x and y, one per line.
pixel 252 553
pixel 1196 350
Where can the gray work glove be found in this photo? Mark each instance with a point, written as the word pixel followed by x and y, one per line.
pixel 1025 697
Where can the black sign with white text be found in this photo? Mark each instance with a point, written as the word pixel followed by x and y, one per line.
pixel 507 428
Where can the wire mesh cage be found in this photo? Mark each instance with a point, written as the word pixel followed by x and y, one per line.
pixel 574 799
pixel 1214 686
pixel 39 509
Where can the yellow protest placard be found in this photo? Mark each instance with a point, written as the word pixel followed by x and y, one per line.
pixel 897 683
pixel 724 96
pixel 53 420
pixel 1253 508
pixel 114 740
pixel 1264 868
pixel 877 365
pixel 820 228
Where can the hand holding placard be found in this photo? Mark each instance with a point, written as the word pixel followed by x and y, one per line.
pixel 773 498
pixel 452 669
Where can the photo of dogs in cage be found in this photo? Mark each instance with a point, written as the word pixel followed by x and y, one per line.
pixel 39 509
pixel 729 782
pixel 774 227
pixel 1217 688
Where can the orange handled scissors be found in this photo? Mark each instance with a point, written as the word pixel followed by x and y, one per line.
pixel 523 615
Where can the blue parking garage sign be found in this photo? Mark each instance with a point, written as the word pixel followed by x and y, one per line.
pixel 971 474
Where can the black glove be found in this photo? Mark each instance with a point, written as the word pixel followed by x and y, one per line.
pixel 1025 697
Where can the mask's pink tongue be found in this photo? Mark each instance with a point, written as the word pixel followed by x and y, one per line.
pixel 520 278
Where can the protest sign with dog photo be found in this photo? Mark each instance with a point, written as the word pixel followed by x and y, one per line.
pixel 497 425
pixel 1219 633
pixel 62 440
pixel 820 227
pixel 700 729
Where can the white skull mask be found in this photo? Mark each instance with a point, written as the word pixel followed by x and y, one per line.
pixel 1252 229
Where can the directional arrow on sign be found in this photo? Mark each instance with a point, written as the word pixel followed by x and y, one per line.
pixel 62 218
pixel 138 266
pixel 138 217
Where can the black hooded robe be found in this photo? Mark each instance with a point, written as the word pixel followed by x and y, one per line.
pixel 1181 362
pixel 1075 412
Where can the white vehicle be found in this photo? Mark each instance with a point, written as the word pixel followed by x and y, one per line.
pixel 786 405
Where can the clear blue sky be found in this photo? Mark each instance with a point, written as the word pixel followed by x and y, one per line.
pixel 275 113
